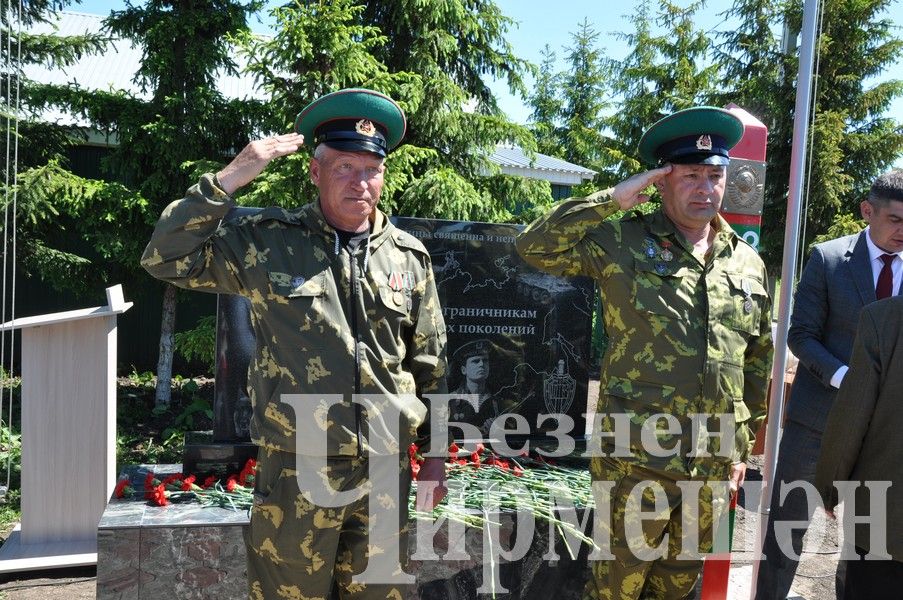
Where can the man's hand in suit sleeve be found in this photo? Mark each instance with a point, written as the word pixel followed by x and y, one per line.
pixel 838 376
pixel 807 323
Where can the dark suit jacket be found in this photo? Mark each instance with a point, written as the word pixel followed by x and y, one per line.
pixel 863 440
pixel 834 286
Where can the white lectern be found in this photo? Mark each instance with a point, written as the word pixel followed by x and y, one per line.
pixel 68 434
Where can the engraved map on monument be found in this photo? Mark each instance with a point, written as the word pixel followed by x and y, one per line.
pixel 518 339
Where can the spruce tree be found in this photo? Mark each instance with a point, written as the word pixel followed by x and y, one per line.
pixel 545 119
pixel 432 57
pixel 585 99
pixel 178 119
pixel 853 137
pixel 668 68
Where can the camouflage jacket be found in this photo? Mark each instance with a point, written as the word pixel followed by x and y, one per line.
pixel 316 332
pixel 684 336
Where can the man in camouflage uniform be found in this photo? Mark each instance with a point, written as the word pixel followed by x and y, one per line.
pixel 687 311
pixel 343 303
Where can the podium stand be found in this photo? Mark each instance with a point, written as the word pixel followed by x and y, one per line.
pixel 68 434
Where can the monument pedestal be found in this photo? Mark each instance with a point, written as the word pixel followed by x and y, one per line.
pixel 191 552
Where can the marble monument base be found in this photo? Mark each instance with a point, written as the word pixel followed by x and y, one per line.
pixel 191 552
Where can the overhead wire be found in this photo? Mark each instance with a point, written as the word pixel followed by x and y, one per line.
pixel 11 108
pixel 811 141
pixel 15 212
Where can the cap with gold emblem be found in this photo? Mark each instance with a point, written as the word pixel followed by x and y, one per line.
pixel 354 119
pixel 698 135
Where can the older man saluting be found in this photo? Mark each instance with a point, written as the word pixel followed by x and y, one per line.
pixel 342 304
pixel 687 311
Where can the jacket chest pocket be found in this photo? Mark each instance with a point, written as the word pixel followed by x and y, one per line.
pixel 747 299
pixel 297 293
pixel 656 289
pixel 397 303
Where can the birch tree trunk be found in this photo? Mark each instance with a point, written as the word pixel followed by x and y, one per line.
pixel 164 362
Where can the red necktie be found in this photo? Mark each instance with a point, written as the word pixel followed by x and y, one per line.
pixel 885 286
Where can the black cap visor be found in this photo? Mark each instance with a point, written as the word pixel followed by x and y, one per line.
pixel 356 146
pixel 698 158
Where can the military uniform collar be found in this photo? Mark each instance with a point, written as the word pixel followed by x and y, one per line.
pixel 313 214
pixel 662 226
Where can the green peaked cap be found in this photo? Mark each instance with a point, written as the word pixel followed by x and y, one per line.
pixel 343 120
pixel 698 135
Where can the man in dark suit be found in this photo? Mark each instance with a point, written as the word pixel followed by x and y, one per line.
pixel 862 443
pixel 841 277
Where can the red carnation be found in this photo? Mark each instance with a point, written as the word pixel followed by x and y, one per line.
pixel 172 478
pixel 187 483
pixel 209 482
pixel 231 483
pixel 123 489
pixel 246 477
pixel 150 482
pixel 158 496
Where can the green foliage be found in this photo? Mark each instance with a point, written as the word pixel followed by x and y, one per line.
pixel 523 200
pixel 10 453
pixel 151 434
pixel 36 142
pixel 185 46
pixel 143 379
pixel 185 420
pixel 134 449
pixel 668 67
pixel 199 343
pixel 852 137
pixel 458 41
pixel 547 106
pixel 845 224
pixel 585 93
pixel 662 73
pixel 434 61
pixel 50 198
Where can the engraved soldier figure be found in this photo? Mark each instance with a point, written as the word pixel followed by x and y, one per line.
pixel 472 360
pixel 687 310
pixel 343 304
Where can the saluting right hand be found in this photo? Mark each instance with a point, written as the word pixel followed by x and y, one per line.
pixel 629 192
pixel 254 158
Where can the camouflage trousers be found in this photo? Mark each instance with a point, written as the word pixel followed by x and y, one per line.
pixel 631 575
pixel 301 551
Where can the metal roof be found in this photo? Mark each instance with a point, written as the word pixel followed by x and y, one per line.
pixel 115 68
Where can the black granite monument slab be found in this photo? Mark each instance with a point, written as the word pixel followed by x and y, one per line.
pixel 518 339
